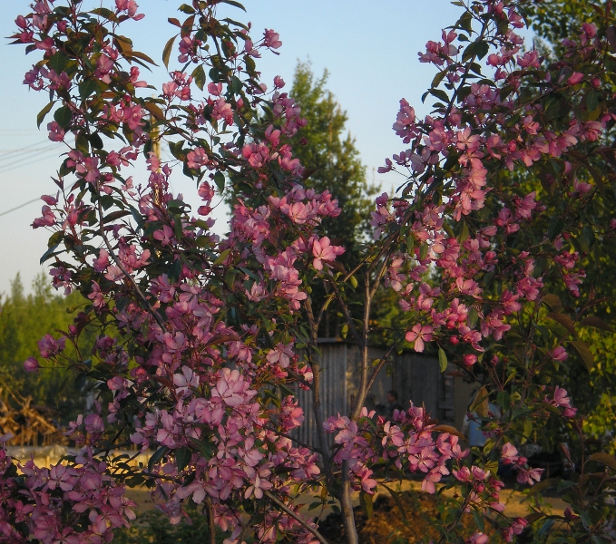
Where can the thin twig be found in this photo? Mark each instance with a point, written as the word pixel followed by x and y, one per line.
pixel 297 518
pixel 119 264
pixel 347 315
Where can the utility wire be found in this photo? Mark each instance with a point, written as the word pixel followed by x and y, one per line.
pixel 20 150
pixel 12 155
pixel 20 163
pixel 20 206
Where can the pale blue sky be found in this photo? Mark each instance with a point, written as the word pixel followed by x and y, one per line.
pixel 369 48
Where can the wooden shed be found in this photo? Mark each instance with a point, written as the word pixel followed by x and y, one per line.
pixel 413 376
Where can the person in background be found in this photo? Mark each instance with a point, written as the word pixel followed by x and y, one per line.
pixel 392 404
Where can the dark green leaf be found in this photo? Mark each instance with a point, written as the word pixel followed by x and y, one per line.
pixel 611 38
pixel 585 354
pixel 564 484
pixel 142 56
pixel 553 302
pixel 440 94
pixel 604 458
pixel 222 257
pixel 438 78
pixel 167 51
pixel 96 141
pixel 199 76
pixel 597 323
pixel 233 3
pixel 104 12
pixel 592 100
pixel 115 215
pixel 555 227
pixel 219 179
pixel 63 116
pixel 563 319
pixel 396 497
pixel 479 521
pixel 541 486
pixel 466 22
pixel 365 499
pixel 88 87
pixel 182 458
pixel 82 143
pixel 478 49
pixel 156 112
pixel 185 8
pixel 157 456
pixel 480 403
pixel 43 113
pixel 48 254
pixel 58 62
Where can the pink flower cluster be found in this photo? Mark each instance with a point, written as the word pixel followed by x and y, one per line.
pixel 76 503
pixel 407 442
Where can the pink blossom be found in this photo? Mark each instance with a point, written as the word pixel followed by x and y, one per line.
pixel 130 6
pixel 419 334
pixel 575 78
pixel 323 251
pixel 48 346
pixel 214 88
pixel 56 132
pixel 509 453
pixel 271 39
pixel 281 354
pixel 463 474
pixel 197 158
pixel 186 380
pixel 31 365
pixel 469 359
pixel 559 354
pixel 223 110
pixel 478 538
pixel 529 477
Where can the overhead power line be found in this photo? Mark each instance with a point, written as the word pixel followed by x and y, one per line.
pixel 8 157
pixel 20 206
pixel 24 162
pixel 25 149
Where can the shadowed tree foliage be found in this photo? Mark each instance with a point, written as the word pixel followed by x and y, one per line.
pixel 593 390
pixel 555 20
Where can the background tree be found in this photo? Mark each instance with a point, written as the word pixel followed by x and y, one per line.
pixel 331 161
pixel 24 321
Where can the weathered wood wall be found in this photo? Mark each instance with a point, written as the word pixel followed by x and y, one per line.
pixel 414 377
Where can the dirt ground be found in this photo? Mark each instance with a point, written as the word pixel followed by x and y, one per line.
pixel 408 521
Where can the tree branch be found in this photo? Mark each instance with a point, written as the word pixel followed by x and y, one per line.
pixel 297 518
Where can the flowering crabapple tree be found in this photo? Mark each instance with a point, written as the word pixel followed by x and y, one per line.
pixel 203 340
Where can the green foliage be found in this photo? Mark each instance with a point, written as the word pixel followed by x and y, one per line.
pixel 24 320
pixel 153 527
pixel 585 321
pixel 598 399
pixel 555 20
